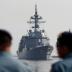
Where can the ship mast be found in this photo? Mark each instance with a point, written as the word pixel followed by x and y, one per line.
pixel 36 19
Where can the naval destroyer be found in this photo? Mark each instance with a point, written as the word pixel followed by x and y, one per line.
pixel 35 45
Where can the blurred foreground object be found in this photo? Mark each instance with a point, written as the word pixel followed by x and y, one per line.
pixel 64 48
pixel 7 62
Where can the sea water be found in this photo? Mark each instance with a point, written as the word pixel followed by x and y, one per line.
pixel 40 65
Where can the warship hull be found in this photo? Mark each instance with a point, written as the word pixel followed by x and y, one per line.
pixel 35 45
pixel 39 53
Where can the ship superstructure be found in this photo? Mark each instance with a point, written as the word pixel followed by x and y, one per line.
pixel 35 45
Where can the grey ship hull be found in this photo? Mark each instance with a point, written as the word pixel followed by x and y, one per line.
pixel 35 45
pixel 39 53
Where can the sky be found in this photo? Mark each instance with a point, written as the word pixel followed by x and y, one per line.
pixel 14 15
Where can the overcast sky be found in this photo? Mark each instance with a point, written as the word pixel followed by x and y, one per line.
pixel 14 15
